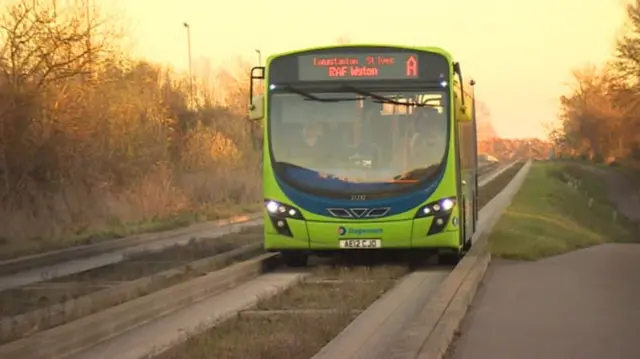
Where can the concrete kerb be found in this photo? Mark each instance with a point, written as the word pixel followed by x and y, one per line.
pixel 47 258
pixel 66 339
pixel 431 333
pixel 444 332
pixel 19 325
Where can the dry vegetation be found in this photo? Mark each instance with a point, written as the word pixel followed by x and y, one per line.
pixel 506 149
pixel 95 144
pixel 279 327
pixel 601 116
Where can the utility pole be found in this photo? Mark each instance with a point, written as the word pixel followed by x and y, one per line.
pixel 186 25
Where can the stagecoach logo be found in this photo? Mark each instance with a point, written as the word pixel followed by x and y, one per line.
pixel 359 231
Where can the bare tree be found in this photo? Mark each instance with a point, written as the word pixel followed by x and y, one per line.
pixel 42 44
pixel 124 137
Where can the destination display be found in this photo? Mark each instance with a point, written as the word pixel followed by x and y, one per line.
pixel 365 66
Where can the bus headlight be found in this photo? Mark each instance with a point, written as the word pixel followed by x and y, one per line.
pixel 436 208
pixel 279 210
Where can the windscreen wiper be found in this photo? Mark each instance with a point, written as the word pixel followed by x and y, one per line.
pixel 290 165
pixel 418 173
pixel 382 99
pixel 309 97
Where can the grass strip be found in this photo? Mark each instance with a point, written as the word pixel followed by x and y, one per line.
pixel 549 217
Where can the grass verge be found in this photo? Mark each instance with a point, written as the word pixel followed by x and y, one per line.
pixel 117 229
pixel 547 217
pixel 141 274
pixel 292 333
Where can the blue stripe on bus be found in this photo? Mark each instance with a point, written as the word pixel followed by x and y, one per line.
pixel 399 204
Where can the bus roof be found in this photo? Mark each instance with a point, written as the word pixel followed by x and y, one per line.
pixel 434 49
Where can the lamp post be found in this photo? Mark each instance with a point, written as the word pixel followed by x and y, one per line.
pixel 259 57
pixel 186 25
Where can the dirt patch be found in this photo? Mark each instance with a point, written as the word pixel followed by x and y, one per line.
pixel 276 337
pixel 451 350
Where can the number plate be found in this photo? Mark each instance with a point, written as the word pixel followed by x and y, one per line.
pixel 360 243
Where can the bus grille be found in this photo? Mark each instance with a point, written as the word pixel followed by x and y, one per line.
pixel 359 212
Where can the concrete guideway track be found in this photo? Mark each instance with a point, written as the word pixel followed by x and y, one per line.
pixel 163 332
pixel 107 255
pixel 45 259
pixel 161 241
pixel 88 331
pixel 170 328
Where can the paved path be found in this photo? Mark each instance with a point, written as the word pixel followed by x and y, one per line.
pixel 582 305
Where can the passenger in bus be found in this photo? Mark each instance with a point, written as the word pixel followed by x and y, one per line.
pixel 318 151
pixel 426 145
pixel 312 136
pixel 315 151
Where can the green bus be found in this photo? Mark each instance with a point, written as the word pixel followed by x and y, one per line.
pixel 366 147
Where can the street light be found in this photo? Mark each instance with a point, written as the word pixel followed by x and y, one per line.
pixel 472 83
pixel 186 25
pixel 259 62
pixel 259 57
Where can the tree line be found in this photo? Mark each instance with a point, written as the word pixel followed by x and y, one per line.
pixel 92 137
pixel 600 118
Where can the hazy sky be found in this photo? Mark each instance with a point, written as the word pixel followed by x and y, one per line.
pixel 520 52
